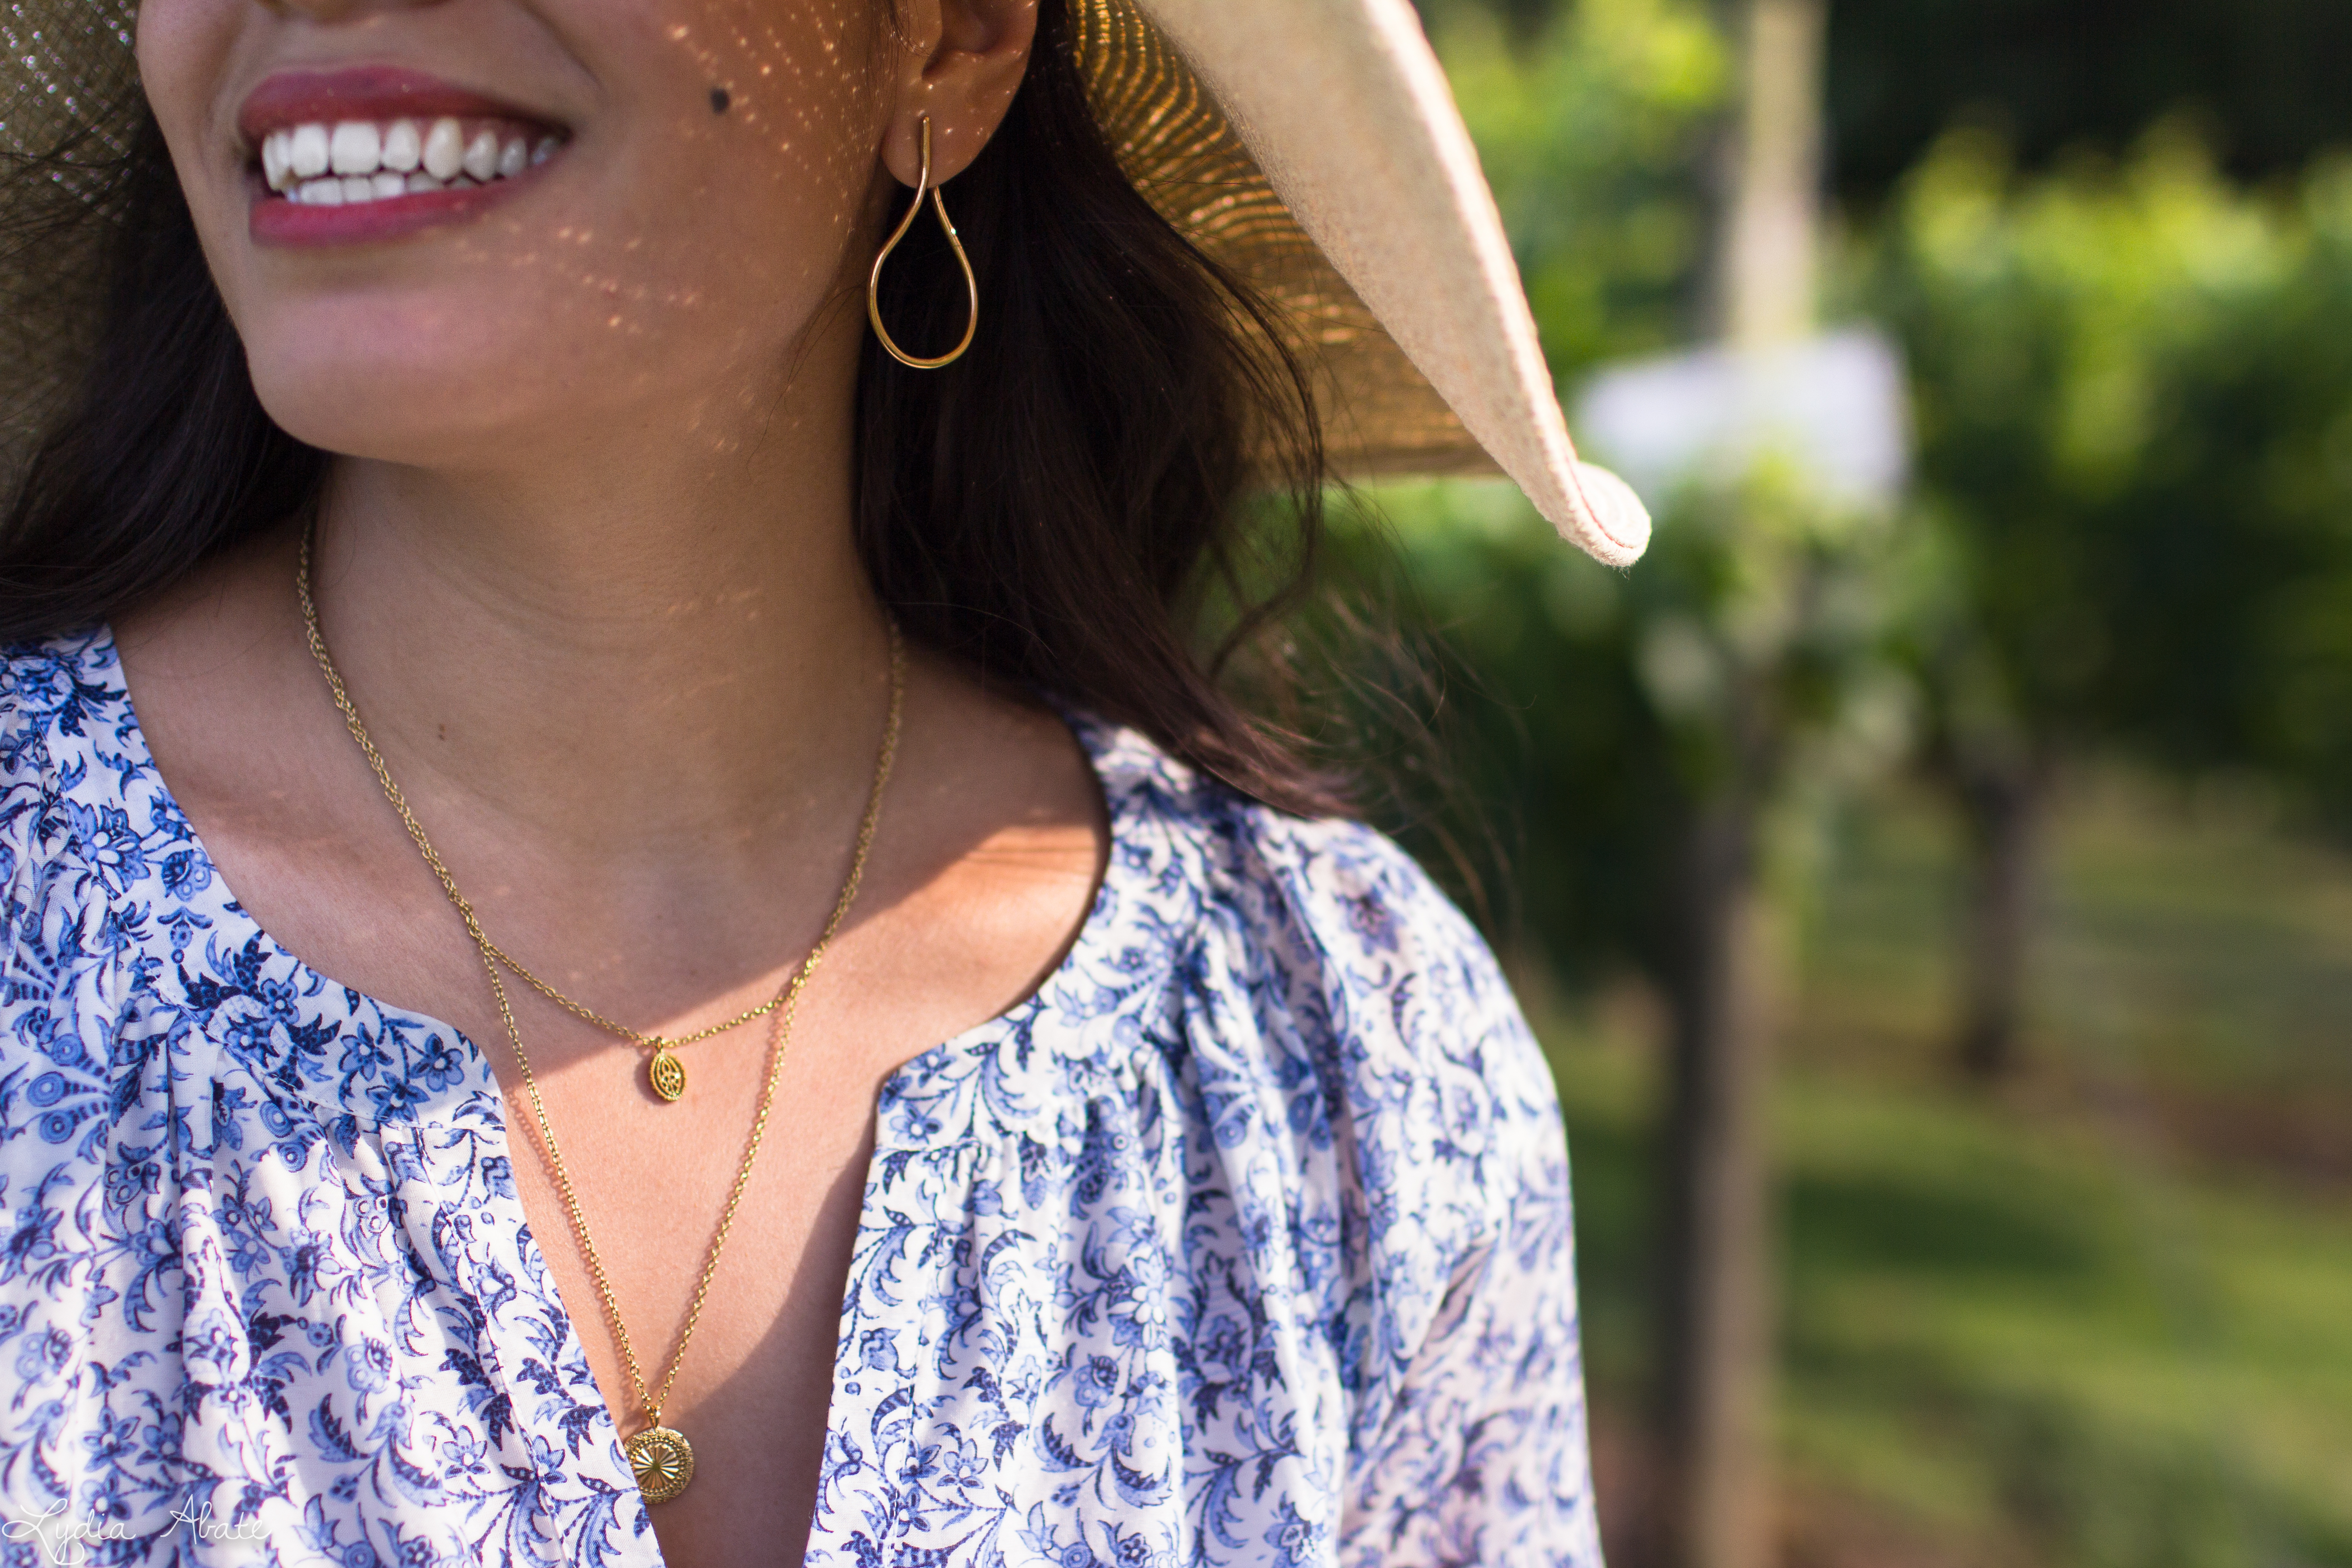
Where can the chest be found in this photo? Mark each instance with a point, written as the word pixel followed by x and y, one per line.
pixel 706 1288
pixel 1041 1306
pixel 732 1337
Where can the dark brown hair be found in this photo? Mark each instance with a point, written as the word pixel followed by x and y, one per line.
pixel 1067 508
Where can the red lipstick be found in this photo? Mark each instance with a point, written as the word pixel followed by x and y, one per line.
pixel 379 94
pixel 366 92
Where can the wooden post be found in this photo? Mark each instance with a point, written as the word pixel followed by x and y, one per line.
pixel 1715 1503
pixel 1716 1508
pixel 2004 800
pixel 1769 244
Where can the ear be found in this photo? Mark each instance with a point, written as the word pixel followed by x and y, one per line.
pixel 963 61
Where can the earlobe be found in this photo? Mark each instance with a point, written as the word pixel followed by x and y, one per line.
pixel 919 151
pixel 970 71
pixel 902 149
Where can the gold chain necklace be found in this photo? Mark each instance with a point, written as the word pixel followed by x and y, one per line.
pixel 660 1455
pixel 663 1072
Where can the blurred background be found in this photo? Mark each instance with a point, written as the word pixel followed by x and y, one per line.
pixel 1928 867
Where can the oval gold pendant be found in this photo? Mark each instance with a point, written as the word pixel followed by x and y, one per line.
pixel 663 1460
pixel 667 1073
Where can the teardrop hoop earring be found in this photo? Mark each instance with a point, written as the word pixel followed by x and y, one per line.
pixel 874 278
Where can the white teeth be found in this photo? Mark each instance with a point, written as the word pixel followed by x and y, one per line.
pixel 445 150
pixel 482 156
pixel 306 151
pixel 356 190
pixel 403 148
pixel 370 163
pixel 357 148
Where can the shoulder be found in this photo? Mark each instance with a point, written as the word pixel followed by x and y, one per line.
pixel 54 692
pixel 77 859
pixel 1369 946
pixel 1365 1089
pixel 1326 969
pixel 64 729
pixel 82 819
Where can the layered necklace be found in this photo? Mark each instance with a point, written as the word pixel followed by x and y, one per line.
pixel 660 1455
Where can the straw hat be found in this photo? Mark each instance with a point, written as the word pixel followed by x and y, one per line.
pixel 1311 144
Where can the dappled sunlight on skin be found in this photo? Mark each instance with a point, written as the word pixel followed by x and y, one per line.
pixel 672 261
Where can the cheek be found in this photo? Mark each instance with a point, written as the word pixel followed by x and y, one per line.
pixel 184 49
pixel 545 323
pixel 181 46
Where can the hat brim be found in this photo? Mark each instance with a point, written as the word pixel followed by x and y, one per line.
pixel 1314 147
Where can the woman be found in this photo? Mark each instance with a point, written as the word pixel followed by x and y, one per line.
pixel 980 1098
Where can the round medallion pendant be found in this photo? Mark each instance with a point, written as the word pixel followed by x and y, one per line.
pixel 663 1460
pixel 667 1073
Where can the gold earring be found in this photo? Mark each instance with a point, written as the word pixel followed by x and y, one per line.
pixel 874 278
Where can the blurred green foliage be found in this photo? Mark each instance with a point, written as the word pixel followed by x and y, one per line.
pixel 1592 132
pixel 2135 430
pixel 2131 534
pixel 2056 77
pixel 2133 520
pixel 2060 75
pixel 1598 710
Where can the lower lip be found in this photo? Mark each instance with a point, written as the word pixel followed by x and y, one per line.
pixel 278 221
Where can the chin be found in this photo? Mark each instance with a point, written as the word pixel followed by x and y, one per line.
pixel 446 385
pixel 391 409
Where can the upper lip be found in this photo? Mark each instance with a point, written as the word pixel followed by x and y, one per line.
pixel 364 92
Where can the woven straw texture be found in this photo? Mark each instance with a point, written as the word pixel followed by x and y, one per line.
pixel 66 82
pixel 1177 148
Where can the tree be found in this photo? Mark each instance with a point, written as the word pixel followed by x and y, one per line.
pixel 2094 488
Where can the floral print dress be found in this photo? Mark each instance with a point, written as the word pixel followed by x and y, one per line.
pixel 1245 1240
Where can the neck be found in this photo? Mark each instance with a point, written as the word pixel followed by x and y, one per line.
pixel 627 650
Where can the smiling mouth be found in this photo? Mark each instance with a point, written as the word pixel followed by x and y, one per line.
pixel 351 163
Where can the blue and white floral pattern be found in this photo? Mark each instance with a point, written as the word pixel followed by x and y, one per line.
pixel 1244 1241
